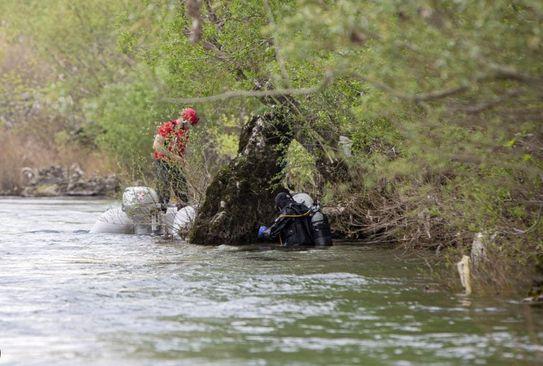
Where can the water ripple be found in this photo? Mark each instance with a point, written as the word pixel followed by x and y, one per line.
pixel 69 297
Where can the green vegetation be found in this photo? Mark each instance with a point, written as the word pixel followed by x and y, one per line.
pixel 441 99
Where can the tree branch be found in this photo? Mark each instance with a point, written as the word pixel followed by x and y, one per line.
pixel 510 73
pixel 212 16
pixel 484 106
pixel 193 11
pixel 253 93
pixel 421 97
pixel 417 98
pixel 278 53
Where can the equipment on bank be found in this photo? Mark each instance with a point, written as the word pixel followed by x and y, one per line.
pixel 141 213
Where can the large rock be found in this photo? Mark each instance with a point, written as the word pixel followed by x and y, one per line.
pixel 42 190
pixel 58 181
pixel 241 196
pixel 95 186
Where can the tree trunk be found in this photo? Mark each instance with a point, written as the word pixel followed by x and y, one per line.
pixel 241 197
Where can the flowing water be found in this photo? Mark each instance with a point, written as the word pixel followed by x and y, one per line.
pixel 71 298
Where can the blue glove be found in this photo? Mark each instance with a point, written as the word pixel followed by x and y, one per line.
pixel 261 232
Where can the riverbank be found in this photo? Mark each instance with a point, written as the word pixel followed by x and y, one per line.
pixel 57 181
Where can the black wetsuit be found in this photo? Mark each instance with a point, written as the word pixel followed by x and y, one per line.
pixel 293 225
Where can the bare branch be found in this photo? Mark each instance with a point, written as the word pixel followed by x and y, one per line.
pixel 438 94
pixel 421 97
pixel 498 72
pixel 278 53
pixel 510 73
pixel 481 107
pixel 212 15
pixel 193 11
pixel 253 93
pixel 417 98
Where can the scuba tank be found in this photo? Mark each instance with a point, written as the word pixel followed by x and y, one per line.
pixel 320 228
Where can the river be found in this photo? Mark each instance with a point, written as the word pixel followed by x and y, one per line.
pixel 72 298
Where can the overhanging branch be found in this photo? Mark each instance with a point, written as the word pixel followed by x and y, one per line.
pixel 420 97
pixel 253 93
pixel 416 98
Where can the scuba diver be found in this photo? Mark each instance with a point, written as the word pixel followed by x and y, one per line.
pixel 297 224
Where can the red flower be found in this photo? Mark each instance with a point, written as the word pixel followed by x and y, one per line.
pixel 189 114
pixel 175 139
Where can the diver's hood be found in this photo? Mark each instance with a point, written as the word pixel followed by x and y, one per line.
pixel 282 200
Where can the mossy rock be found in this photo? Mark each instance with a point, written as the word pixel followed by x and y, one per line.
pixel 47 190
pixel 241 197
